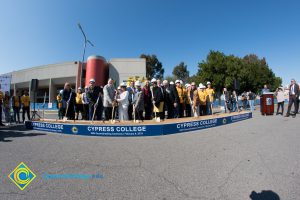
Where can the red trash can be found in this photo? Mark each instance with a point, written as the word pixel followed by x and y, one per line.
pixel 267 103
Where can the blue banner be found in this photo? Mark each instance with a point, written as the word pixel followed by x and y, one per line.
pixel 134 130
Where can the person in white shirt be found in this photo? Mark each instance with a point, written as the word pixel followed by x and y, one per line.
pixel 280 100
pixel 123 103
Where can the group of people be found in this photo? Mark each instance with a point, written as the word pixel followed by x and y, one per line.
pixel 136 102
pixel 15 103
pixel 232 101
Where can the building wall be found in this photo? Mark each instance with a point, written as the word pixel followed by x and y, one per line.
pixel 120 69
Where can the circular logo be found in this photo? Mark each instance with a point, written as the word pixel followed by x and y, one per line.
pixel 74 130
pixel 21 176
pixel 224 121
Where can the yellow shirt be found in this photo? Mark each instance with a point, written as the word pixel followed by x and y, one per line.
pixel 181 94
pixel 202 97
pixel 59 102
pixel 16 101
pixel 6 101
pixel 210 92
pixel 78 98
pixel 195 97
pixel 25 100
pixel 1 96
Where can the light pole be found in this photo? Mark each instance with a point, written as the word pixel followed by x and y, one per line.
pixel 85 42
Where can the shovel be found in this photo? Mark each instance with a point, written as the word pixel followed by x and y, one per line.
pixel 65 117
pixel 113 121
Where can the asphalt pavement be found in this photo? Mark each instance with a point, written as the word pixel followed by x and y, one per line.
pixel 253 159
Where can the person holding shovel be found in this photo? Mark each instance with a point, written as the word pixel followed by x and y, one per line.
pixel 94 95
pixel 68 96
pixel 138 102
pixel 157 99
pixel 123 103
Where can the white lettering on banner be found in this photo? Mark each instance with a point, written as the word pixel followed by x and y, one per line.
pixel 195 124
pixel 117 129
pixel 240 117
pixel 50 126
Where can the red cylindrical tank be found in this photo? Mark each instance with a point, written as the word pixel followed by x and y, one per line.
pixel 97 69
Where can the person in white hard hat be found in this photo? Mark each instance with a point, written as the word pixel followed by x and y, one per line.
pixel 188 110
pixel 160 85
pixel 79 104
pixel 109 93
pixel 210 98
pixel 157 98
pixel 138 101
pixel 68 97
pixel 147 100
pixel 202 99
pixel 182 98
pixel 95 98
pixel 123 101
pixel 85 103
pixel 131 91
pixel 171 99
pixel 193 97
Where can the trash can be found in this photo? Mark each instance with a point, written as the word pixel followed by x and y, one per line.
pixel 267 103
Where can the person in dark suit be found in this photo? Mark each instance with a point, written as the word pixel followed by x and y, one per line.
pixel 293 97
pixel 171 99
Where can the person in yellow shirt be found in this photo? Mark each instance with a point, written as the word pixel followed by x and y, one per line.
pixel 202 99
pixel 1 102
pixel 79 104
pixel 25 102
pixel 193 99
pixel 182 98
pixel 16 104
pixel 59 105
pixel 210 98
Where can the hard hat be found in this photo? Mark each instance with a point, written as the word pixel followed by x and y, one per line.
pixel 165 82
pixel 177 81
pixel 119 88
pixel 79 88
pixel 61 91
pixel 201 86
pixel 187 85
pixel 123 84
pixel 137 83
pixel 181 82
pixel 153 80
pixel 172 83
pixel 208 83
pixel 92 80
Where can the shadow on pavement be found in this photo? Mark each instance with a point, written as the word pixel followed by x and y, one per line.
pixel 264 195
pixel 14 132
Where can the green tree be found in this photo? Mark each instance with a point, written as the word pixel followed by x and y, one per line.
pixel 180 72
pixel 154 68
pixel 251 71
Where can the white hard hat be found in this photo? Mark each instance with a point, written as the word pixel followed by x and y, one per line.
pixel 79 88
pixel 123 84
pixel 137 83
pixel 172 83
pixel 181 82
pixel 201 86
pixel 208 83
pixel 165 82
pixel 119 88
pixel 187 85
pixel 61 91
pixel 86 87
pixel 153 80
pixel 92 80
pixel 177 81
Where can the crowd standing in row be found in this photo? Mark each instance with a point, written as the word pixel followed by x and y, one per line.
pixel 154 99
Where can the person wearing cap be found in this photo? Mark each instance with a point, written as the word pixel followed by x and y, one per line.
pixel 182 98
pixel 188 109
pixel 202 99
pixel 123 101
pixel 59 105
pixel 78 104
pixel 157 99
pixel 171 98
pixel 138 102
pixel 147 100
pixel 109 93
pixel 193 98
pixel 69 99
pixel 25 102
pixel 95 98
pixel 210 98
pixel 85 103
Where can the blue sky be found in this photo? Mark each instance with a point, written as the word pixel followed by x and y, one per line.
pixel 35 32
